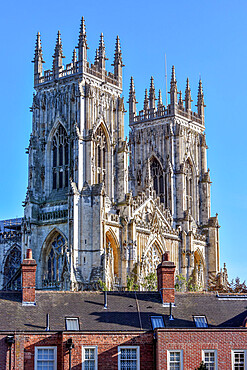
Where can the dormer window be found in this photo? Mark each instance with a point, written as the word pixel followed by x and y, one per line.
pixel 200 321
pixel 157 322
pixel 72 323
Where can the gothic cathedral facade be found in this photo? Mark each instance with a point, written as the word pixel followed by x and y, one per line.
pixel 99 206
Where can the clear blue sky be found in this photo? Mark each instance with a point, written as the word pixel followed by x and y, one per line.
pixel 206 38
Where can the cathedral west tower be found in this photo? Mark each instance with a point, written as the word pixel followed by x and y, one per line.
pixel 99 207
pixel 168 155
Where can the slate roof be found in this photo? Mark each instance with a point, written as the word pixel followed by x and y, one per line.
pixel 127 311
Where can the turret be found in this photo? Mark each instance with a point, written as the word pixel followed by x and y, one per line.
pixel 102 55
pixel 173 88
pixel 160 103
pixel 118 62
pixel 58 57
pixel 200 101
pixel 188 99
pixel 38 60
pixel 180 101
pixel 152 94
pixel 132 101
pixel 82 46
pixel 96 59
pixel 74 60
pixel 146 102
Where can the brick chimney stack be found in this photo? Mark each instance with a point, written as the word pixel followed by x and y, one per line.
pixel 165 275
pixel 28 268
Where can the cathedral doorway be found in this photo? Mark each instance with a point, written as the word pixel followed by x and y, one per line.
pixel 112 253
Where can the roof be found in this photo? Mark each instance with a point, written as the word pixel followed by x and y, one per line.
pixel 127 311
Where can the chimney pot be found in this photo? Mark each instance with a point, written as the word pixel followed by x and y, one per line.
pixel 166 256
pixel 29 254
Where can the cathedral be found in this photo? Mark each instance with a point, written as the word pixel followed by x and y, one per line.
pixel 99 206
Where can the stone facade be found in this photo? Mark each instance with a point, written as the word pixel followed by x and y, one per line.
pixel 10 254
pixel 99 206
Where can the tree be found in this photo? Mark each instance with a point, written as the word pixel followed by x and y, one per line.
pixel 235 286
pixel 131 285
pixel 102 285
pixel 150 282
pixel 182 284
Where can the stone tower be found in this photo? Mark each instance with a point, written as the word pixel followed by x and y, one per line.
pixel 88 216
pixel 76 162
pixel 168 155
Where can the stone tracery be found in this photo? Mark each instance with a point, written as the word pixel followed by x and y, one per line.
pixel 54 261
pixel 60 158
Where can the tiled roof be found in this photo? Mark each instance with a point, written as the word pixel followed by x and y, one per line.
pixel 127 311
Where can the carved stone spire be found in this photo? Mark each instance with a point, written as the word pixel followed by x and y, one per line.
pixel 74 57
pixel 180 101
pixel 160 103
pixel 173 88
pixel 74 60
pixel 132 101
pixel 38 60
pixel 102 55
pixel 58 56
pixel 188 99
pixel 200 101
pixel 152 94
pixel 118 61
pixel 146 102
pixel 82 46
pixel 96 59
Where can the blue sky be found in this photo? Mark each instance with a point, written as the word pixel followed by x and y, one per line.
pixel 206 38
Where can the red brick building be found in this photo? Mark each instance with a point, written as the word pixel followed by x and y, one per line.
pixel 121 330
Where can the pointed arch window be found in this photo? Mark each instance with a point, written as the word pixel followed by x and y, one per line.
pixel 54 262
pixel 158 179
pixel 189 187
pixel 100 155
pixel 12 264
pixel 60 159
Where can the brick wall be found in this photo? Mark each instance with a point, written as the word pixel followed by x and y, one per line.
pixel 192 342
pixel 23 351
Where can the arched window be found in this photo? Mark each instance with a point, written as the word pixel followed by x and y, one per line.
pixel 54 262
pixel 60 159
pixel 151 259
pixel 100 155
pixel 158 179
pixel 189 187
pixel 12 263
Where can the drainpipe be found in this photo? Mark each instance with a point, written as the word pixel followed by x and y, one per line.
pixel 70 345
pixel 10 340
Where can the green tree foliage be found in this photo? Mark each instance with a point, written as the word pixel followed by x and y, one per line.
pixel 182 285
pixel 102 285
pixel 150 282
pixel 131 285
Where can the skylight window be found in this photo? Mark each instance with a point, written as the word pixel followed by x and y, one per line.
pixel 157 322
pixel 72 323
pixel 200 321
